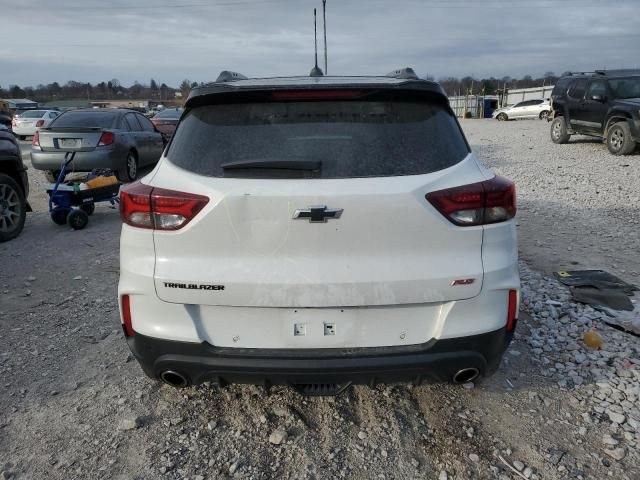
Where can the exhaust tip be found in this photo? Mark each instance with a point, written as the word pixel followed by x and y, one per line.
pixel 174 379
pixel 466 375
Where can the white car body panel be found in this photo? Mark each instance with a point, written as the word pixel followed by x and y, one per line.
pixel 375 254
pixel 372 294
pixel 27 126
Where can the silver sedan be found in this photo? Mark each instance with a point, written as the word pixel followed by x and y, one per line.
pixel 122 140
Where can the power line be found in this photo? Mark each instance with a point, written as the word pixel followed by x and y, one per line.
pixel 439 4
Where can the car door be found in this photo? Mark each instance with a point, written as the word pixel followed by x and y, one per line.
pixel 575 98
pixel 138 137
pixel 518 110
pixel 593 109
pixel 534 108
pixel 524 108
pixel 155 142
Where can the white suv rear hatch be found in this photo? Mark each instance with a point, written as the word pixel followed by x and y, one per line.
pixel 373 160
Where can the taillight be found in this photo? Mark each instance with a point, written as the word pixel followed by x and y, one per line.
pixel 481 203
pixel 107 138
pixel 512 310
pixel 39 123
pixel 13 122
pixel 144 206
pixel 36 139
pixel 127 326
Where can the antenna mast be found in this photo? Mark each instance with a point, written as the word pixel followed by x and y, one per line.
pixel 315 71
pixel 324 25
pixel 315 35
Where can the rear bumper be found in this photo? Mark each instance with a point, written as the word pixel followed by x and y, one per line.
pixel 27 131
pixel 83 161
pixel 434 361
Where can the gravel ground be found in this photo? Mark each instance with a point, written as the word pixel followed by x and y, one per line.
pixel 75 404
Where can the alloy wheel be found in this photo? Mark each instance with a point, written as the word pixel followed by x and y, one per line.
pixel 617 139
pixel 132 167
pixel 9 208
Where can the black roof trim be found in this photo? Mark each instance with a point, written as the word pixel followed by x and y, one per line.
pixel 606 73
pixel 320 83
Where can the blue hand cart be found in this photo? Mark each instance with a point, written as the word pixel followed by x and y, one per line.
pixel 71 205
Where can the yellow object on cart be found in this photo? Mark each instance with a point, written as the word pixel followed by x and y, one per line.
pixel 101 181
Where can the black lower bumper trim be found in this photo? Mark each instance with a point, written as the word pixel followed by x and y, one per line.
pixel 434 361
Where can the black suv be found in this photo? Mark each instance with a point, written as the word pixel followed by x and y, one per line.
pixel 14 185
pixel 604 103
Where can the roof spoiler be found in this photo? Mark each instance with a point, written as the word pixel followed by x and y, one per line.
pixel 406 73
pixel 229 76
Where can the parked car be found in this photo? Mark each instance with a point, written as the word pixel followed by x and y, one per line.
pixel 528 109
pixel 318 232
pixel 14 185
pixel 605 103
pixel 17 106
pixel 122 140
pixel 28 122
pixel 167 120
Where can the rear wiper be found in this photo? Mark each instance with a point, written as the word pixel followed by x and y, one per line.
pixel 273 163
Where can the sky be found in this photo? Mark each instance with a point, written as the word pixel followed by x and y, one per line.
pixel 42 41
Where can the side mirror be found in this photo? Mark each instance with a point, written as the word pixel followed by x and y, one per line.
pixel 598 98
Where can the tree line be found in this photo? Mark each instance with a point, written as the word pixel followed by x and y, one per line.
pixel 492 86
pixel 113 89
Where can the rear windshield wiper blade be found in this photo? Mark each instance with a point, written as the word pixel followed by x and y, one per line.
pixel 291 164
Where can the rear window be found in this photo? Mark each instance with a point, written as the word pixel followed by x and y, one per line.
pixel 345 138
pixel 578 89
pixel 32 114
pixel 84 119
pixel 561 86
pixel 626 87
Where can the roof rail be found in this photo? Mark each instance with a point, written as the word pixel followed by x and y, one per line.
pixel 622 71
pixel 229 76
pixel 406 73
pixel 596 72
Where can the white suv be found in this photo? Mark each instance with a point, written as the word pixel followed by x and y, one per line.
pixel 318 232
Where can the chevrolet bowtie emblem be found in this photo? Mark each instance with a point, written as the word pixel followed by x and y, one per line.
pixel 318 213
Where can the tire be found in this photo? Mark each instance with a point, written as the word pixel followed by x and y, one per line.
pixel 77 219
pixel 22 137
pixel 88 207
pixel 544 115
pixel 502 117
pixel 559 133
pixel 59 215
pixel 13 208
pixel 619 141
pixel 130 172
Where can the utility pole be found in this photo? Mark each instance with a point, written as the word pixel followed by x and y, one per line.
pixel 324 25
